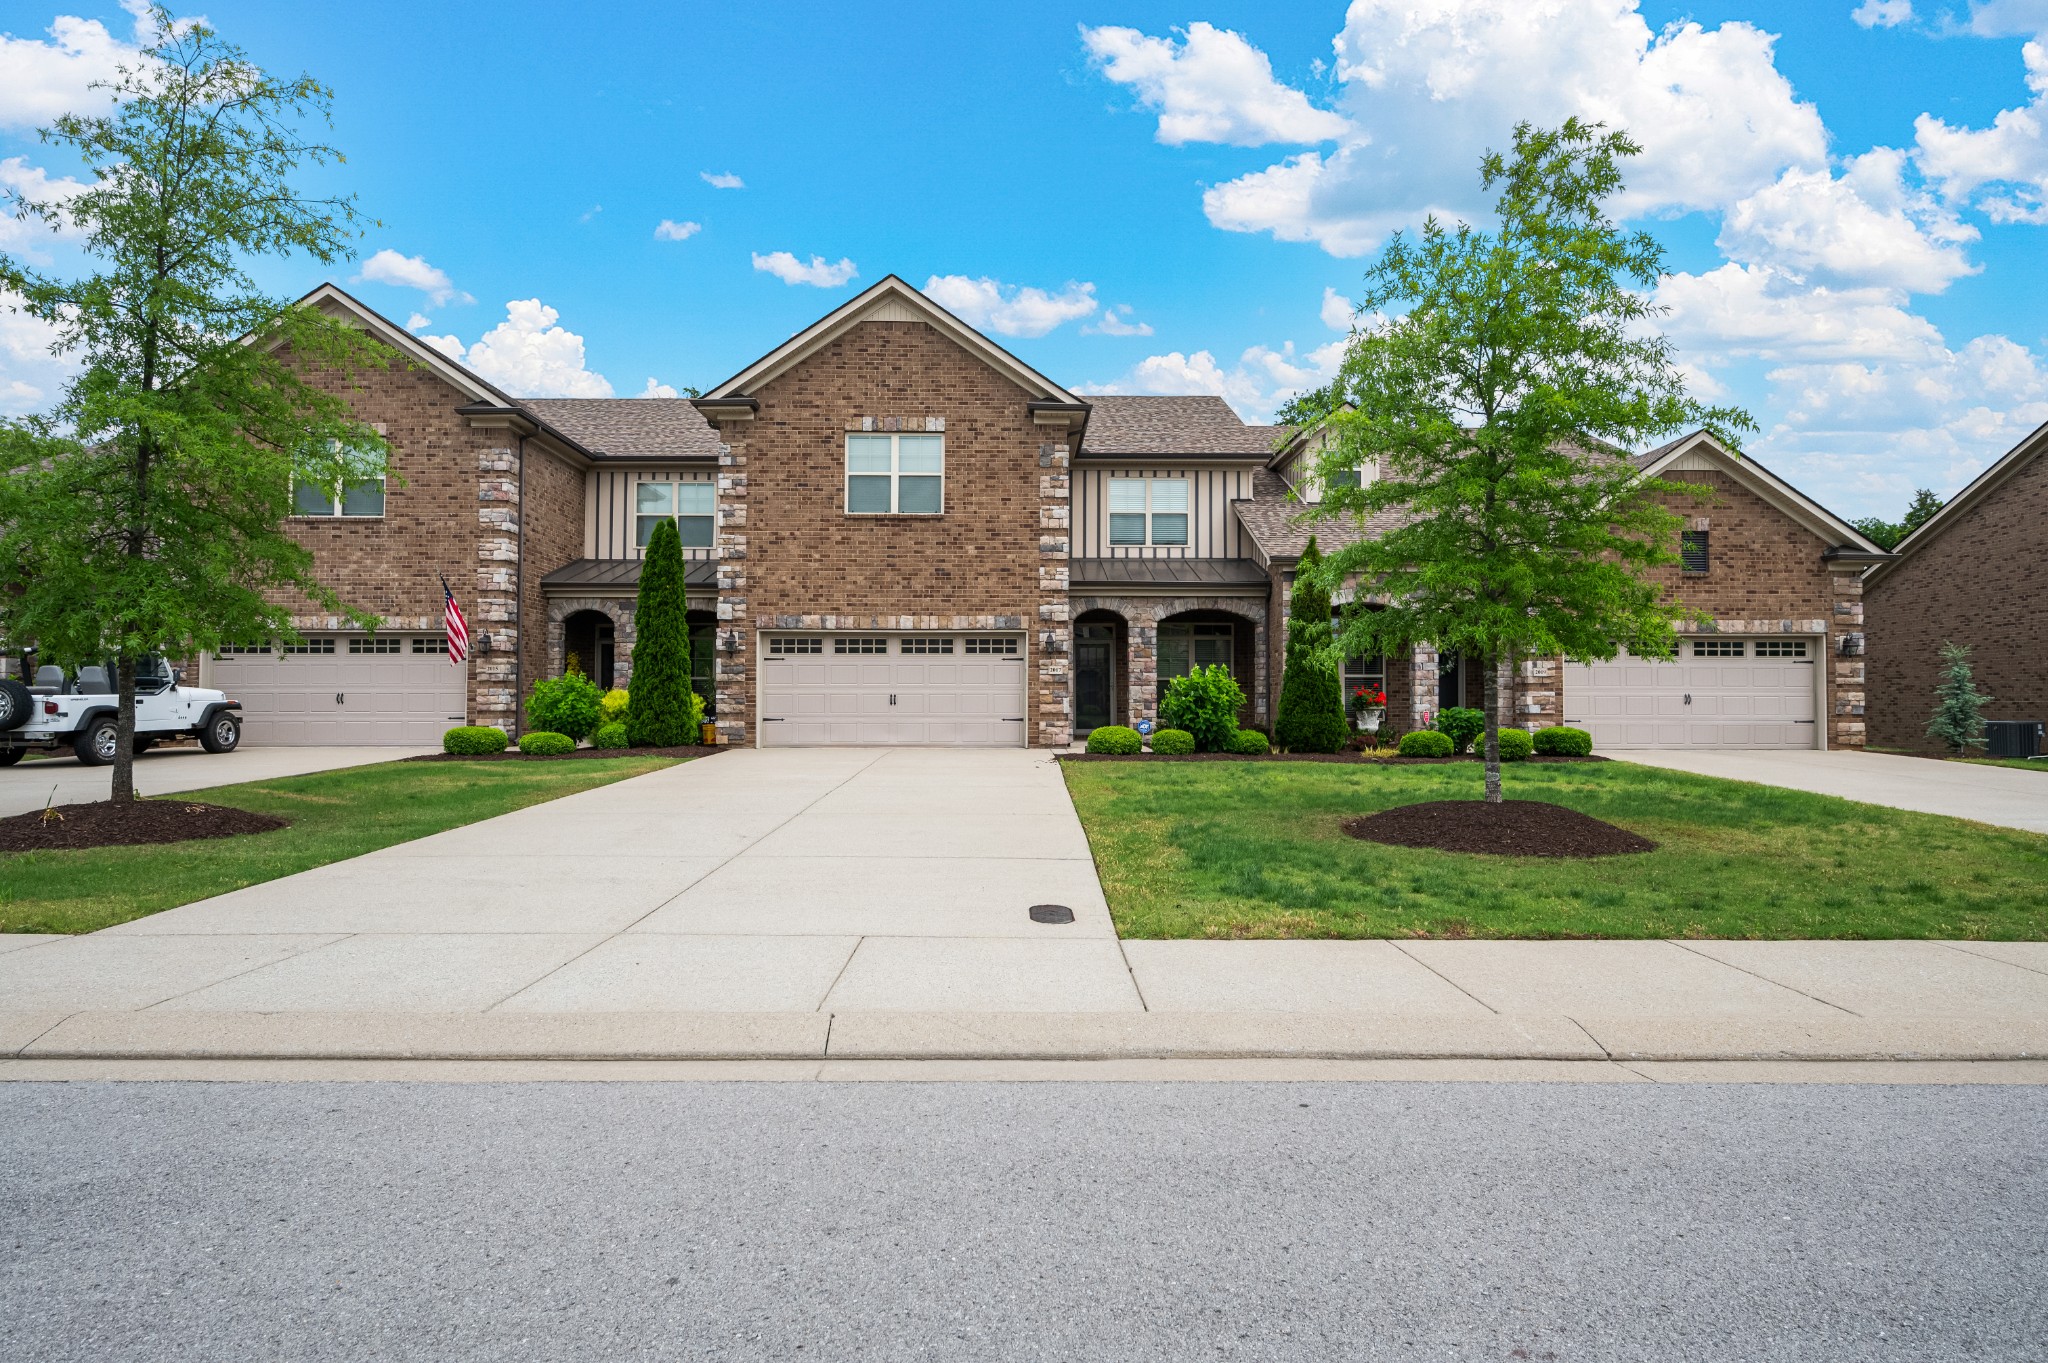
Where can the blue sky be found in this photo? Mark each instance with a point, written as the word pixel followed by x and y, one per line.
pixel 1173 198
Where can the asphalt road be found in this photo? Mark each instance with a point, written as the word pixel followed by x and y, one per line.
pixel 1022 1221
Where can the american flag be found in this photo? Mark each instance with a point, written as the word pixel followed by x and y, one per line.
pixel 457 627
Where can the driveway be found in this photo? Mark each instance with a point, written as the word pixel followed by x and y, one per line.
pixel 1961 790
pixel 166 770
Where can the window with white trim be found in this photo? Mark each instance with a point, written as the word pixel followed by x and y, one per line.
pixel 352 498
pixel 1006 648
pixel 1717 648
pixel 375 644
pixel 862 645
pixel 1148 511
pixel 787 647
pixel 1692 551
pixel 895 475
pixel 1781 648
pixel 692 506
pixel 927 644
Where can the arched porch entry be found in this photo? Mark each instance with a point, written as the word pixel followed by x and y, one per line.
pixel 589 645
pixel 1206 637
pixel 1101 650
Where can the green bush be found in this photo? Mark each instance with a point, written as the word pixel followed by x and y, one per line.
pixel 1460 725
pixel 660 711
pixel 614 705
pixel 473 740
pixel 609 736
pixel 1426 743
pixel 1516 745
pixel 1310 717
pixel 1249 743
pixel 1560 741
pixel 1204 703
pixel 1173 742
pixel 541 743
pixel 570 704
pixel 1114 739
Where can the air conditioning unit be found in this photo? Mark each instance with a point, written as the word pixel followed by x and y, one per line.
pixel 2015 738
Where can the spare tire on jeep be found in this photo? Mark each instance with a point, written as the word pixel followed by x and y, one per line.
pixel 16 704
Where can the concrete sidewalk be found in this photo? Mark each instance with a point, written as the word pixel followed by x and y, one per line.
pixel 1961 790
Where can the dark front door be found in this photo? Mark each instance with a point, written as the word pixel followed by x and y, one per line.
pixel 1094 647
pixel 1450 689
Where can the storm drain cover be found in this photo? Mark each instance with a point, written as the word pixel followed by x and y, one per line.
pixel 1051 913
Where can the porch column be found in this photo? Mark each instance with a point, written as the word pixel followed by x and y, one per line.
pixel 1142 666
pixel 1422 687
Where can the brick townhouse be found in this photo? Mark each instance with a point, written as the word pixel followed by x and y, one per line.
pixel 898 532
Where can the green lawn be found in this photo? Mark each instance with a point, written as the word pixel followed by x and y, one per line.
pixel 2023 763
pixel 1254 849
pixel 335 814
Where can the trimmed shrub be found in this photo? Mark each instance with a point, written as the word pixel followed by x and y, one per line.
pixel 1173 742
pixel 569 704
pixel 1204 703
pixel 614 706
pixel 1562 741
pixel 541 743
pixel 1249 743
pixel 609 736
pixel 1426 743
pixel 659 711
pixel 1311 712
pixel 1114 739
pixel 1460 725
pixel 473 740
pixel 1516 745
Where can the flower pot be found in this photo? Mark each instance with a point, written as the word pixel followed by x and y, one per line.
pixel 1368 721
pixel 707 734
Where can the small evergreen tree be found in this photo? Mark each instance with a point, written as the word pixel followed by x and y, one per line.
pixel 658 713
pixel 1958 721
pixel 1311 713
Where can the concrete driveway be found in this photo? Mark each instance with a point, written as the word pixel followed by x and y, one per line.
pixel 1961 790
pixel 163 771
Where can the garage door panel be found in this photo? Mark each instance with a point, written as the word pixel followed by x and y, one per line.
pixel 925 690
pixel 383 699
pixel 1742 701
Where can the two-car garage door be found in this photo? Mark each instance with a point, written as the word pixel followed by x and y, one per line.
pixel 396 689
pixel 951 690
pixel 1718 693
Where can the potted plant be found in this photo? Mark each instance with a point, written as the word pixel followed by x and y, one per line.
pixel 1367 704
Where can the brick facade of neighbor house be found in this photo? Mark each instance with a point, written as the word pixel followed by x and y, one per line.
pixel 790 557
pixel 551 506
pixel 1978 576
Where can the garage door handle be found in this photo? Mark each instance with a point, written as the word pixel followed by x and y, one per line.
pixel 1688 698
pixel 892 700
pixel 337 697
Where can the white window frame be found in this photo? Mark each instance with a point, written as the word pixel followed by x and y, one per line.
pixel 675 511
pixel 896 472
pixel 1152 516
pixel 337 501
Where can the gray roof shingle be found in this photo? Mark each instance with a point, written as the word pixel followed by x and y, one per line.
pixel 630 428
pixel 1122 424
pixel 1280 527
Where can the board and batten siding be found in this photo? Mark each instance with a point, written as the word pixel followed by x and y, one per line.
pixel 608 508
pixel 1213 532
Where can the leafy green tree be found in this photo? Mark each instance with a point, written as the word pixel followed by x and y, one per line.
pixel 1958 722
pixel 147 511
pixel 1887 534
pixel 1310 716
pixel 1495 378
pixel 658 713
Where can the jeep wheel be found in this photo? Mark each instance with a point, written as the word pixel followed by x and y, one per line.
pixel 97 743
pixel 222 733
pixel 16 704
pixel 9 756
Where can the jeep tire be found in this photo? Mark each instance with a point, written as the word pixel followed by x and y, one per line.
pixel 17 706
pixel 9 756
pixel 223 733
pixel 97 742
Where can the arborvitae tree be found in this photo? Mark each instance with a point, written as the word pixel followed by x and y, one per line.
pixel 1311 713
pixel 658 713
pixel 1958 722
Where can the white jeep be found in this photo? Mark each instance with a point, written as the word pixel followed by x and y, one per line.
pixel 78 711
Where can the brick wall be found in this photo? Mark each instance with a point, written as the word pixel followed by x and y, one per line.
pixel 551 505
pixel 1980 582
pixel 789 556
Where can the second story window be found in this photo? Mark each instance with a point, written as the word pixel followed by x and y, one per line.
pixel 895 475
pixel 1692 551
pixel 361 498
pixel 1148 511
pixel 693 505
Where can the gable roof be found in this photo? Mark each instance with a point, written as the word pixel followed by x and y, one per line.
pixel 1143 425
pixel 1983 486
pixel 333 300
pixel 1700 448
pixel 891 300
pixel 630 428
pixel 1280 526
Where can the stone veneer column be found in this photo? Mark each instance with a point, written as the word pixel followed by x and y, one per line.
pixel 1845 692
pixel 1054 699
pixel 733 667
pixel 1141 630
pixel 1538 704
pixel 1422 686
pixel 494 623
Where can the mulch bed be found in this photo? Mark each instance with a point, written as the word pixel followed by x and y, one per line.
pixel 103 823
pixel 514 755
pixel 1512 828
pixel 1347 758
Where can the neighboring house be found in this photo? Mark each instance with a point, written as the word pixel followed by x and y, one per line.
pixel 1973 574
pixel 898 532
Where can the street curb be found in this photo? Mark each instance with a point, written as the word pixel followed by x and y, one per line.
pixel 183 1035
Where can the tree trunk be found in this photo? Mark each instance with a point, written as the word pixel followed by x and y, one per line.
pixel 1492 672
pixel 124 729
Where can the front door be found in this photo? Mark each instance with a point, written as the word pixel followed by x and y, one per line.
pixel 1450 686
pixel 1094 646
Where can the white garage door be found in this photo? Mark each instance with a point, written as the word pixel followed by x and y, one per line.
pixel 948 690
pixel 341 689
pixel 1718 693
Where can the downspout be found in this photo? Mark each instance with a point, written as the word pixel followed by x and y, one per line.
pixel 519 590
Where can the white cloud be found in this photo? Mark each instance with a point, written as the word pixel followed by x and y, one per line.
pixel 1116 321
pixel 1009 309
pixel 656 390
pixel 1883 13
pixel 32 183
pixel 412 272
pixel 669 230
pixel 722 180
pixel 1211 87
pixel 817 272
pixel 1337 310
pixel 40 80
pixel 529 356
pixel 2012 153
pixel 2008 18
pixel 418 322
pixel 1255 386
pixel 31 378
pixel 1865 227
pixel 1757 312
